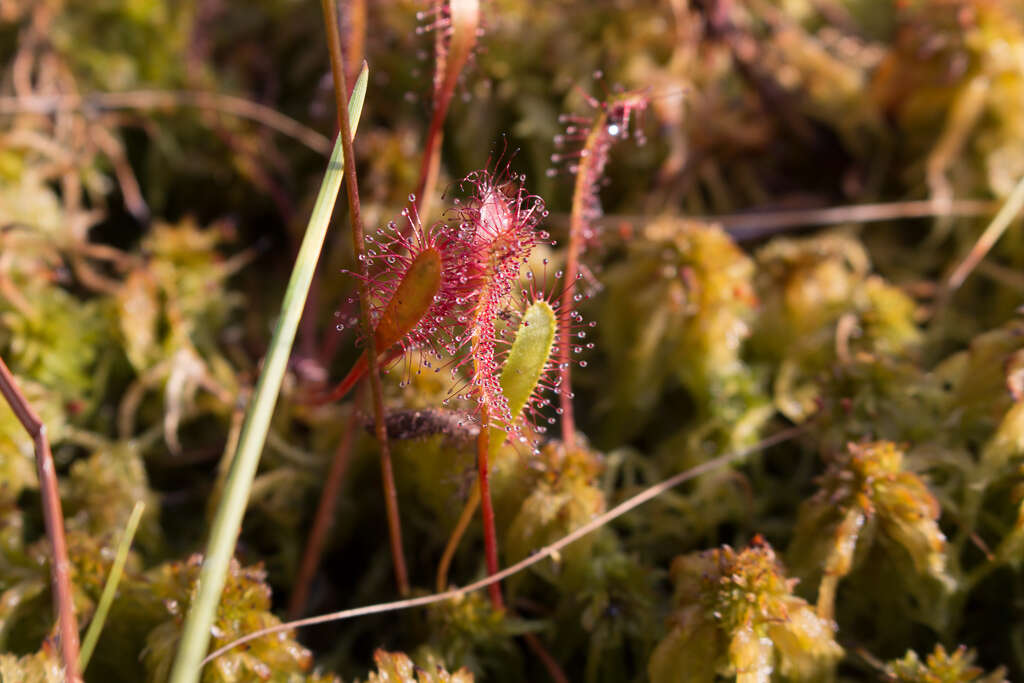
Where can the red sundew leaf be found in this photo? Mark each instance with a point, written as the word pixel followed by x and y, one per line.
pixel 499 222
pixel 411 300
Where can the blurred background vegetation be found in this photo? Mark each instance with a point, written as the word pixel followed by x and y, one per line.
pixel 158 162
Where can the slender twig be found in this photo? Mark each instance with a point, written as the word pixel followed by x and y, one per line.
pixel 169 99
pixel 359 249
pixel 60 566
pixel 92 635
pixel 227 522
pixel 992 233
pixel 483 447
pixel 468 510
pixel 324 517
pixel 547 551
pixel 753 225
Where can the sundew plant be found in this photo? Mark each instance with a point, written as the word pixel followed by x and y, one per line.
pixel 495 341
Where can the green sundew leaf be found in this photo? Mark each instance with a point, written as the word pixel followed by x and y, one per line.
pixel 530 353
pixel 411 300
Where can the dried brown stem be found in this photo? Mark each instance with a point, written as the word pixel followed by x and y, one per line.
pixel 353 27
pixel 170 99
pixel 324 518
pixel 359 248
pixel 60 566
pixel 754 225
pixel 1009 211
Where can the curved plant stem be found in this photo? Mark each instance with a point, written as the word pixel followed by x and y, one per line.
pixel 542 554
pixel 170 99
pixel 590 167
pixel 92 635
pixel 228 520
pixel 453 45
pixel 757 224
pixel 430 166
pixel 572 268
pixel 457 533
pixel 483 441
pixel 359 249
pixel 355 373
pixel 60 566
pixel 324 518
pixel 992 233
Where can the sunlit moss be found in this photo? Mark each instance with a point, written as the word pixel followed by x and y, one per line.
pixel 103 488
pixel 468 632
pixel 41 667
pixel 736 615
pixel 396 667
pixel 693 288
pixel 941 666
pixel 244 608
pixel 821 306
pixel 563 496
pixel 867 502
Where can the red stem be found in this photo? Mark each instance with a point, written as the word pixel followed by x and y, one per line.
pixel 359 248
pixel 483 443
pixel 60 566
pixel 577 227
pixel 431 163
pixel 356 373
pixel 565 336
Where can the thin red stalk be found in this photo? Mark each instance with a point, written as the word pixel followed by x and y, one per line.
pixel 324 518
pixel 577 230
pixel 60 566
pixel 453 46
pixel 355 373
pixel 359 249
pixel 549 662
pixel 572 266
pixel 431 163
pixel 483 443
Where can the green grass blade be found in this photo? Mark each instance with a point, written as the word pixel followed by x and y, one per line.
pixel 110 587
pixel 195 638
